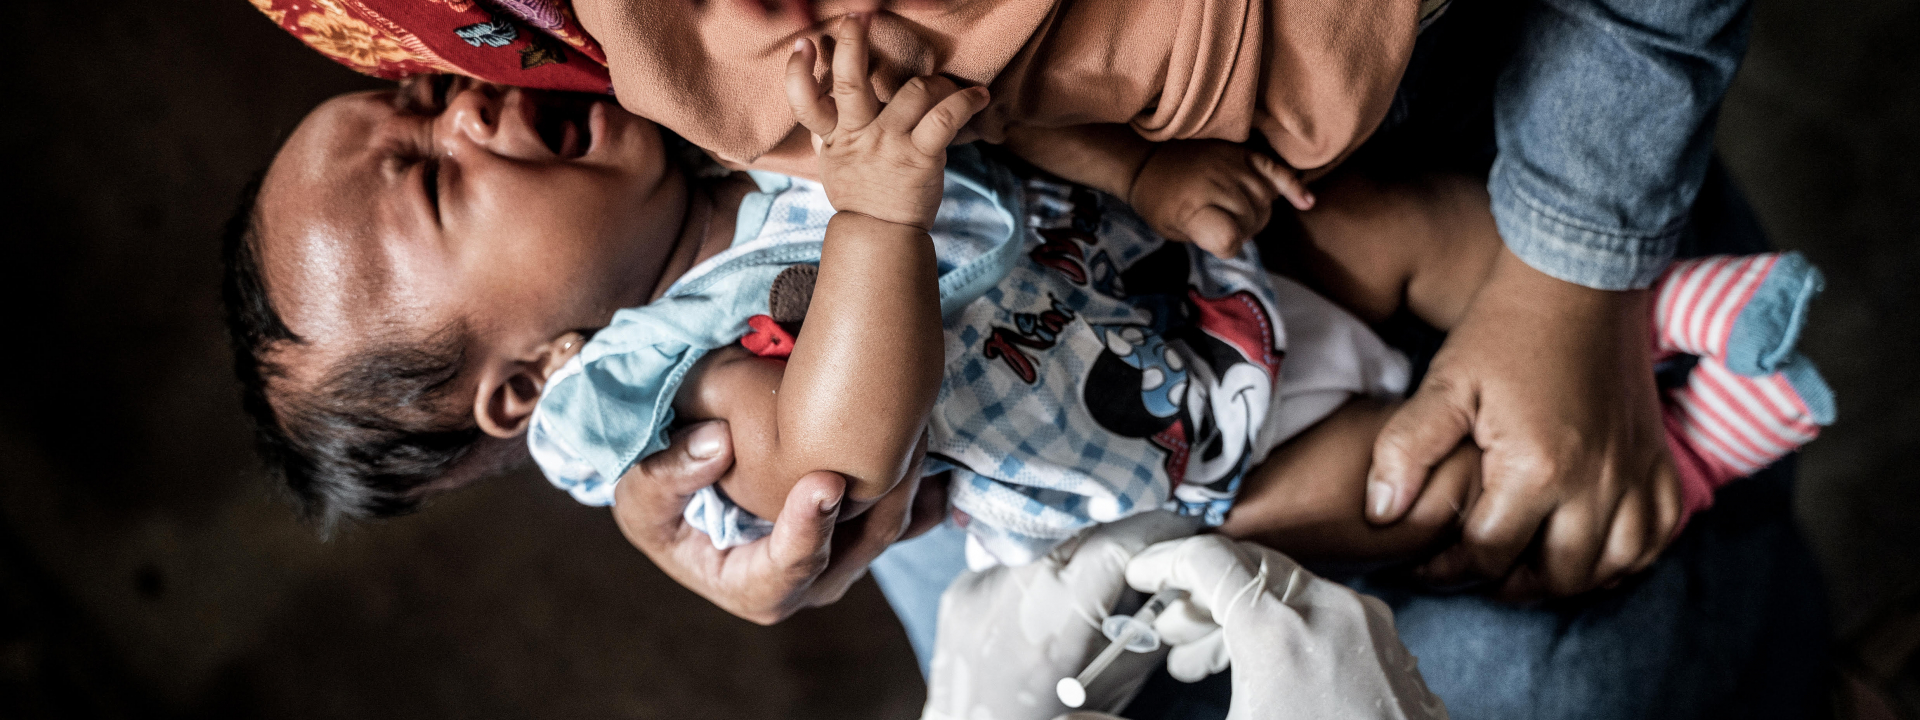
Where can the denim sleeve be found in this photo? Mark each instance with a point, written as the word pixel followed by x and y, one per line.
pixel 1604 125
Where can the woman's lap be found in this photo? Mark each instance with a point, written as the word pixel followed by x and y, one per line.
pixel 1730 622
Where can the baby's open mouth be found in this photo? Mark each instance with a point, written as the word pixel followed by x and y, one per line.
pixel 561 121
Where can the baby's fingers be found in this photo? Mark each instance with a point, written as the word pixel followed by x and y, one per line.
pixel 811 107
pixel 1285 181
pixel 914 99
pixel 937 130
pixel 852 90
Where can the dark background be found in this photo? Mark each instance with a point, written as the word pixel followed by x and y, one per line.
pixel 147 571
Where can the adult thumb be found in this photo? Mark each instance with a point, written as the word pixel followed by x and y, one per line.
pixel 1418 436
pixel 802 539
pixel 697 457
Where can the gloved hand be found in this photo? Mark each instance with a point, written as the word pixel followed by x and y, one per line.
pixel 1300 646
pixel 1008 634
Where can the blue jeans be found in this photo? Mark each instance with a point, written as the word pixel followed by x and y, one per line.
pixel 1592 118
pixel 913 574
pixel 1730 622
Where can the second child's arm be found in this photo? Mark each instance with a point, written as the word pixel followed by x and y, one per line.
pixel 854 396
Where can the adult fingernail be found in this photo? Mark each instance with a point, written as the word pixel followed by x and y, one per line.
pixel 829 503
pixel 1379 498
pixel 706 441
pixel 800 45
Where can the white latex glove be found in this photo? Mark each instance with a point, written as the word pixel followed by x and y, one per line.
pixel 1008 634
pixel 1300 646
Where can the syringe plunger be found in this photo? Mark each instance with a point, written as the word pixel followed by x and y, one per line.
pixel 1126 632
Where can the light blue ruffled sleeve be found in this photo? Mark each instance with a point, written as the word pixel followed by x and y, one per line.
pixel 612 404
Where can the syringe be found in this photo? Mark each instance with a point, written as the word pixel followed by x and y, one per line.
pixel 1127 632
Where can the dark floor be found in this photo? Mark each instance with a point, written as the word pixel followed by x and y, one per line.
pixel 1822 128
pixel 144 572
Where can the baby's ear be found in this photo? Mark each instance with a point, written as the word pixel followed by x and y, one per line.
pixel 509 390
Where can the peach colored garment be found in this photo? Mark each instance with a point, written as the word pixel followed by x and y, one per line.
pixel 1313 76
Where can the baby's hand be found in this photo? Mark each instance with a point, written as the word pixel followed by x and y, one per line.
pixel 883 162
pixel 1212 193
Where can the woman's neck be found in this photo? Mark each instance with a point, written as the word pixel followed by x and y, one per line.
pixel 707 228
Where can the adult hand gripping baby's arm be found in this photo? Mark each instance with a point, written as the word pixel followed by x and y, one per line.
pixel 807 561
pixel 1552 381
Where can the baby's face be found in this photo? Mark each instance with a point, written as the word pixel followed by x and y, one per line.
pixel 526 214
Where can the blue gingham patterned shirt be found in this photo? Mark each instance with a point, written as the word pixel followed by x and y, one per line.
pixel 1107 371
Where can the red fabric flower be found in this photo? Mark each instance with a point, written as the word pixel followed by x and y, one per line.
pixel 768 338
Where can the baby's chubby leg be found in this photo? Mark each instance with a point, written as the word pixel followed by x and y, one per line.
pixel 1373 247
pixel 1307 499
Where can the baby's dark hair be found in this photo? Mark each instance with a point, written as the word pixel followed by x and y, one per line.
pixel 380 424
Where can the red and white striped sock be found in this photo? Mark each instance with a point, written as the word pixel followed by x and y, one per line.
pixel 1723 425
pixel 1746 311
pixel 1699 300
pixel 1751 399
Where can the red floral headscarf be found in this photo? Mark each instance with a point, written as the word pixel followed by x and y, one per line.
pixel 530 43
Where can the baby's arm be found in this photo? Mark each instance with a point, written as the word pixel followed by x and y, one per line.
pixel 1211 193
pixel 854 395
